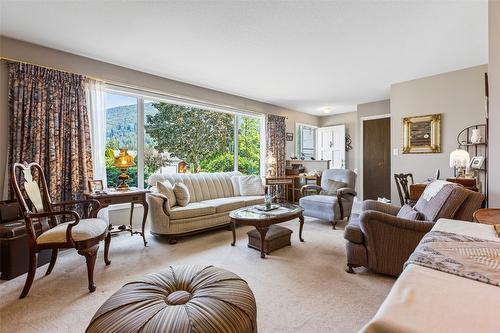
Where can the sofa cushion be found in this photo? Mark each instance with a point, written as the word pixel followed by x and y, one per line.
pixel 251 200
pixel 167 190
pixel 181 194
pixel 222 205
pixel 444 204
pixel 193 209
pixel 201 186
pixel 407 212
pixel 353 231
pixel 235 180
pixel 251 185
pixel 319 201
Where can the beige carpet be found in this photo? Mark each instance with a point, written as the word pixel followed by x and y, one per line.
pixel 300 288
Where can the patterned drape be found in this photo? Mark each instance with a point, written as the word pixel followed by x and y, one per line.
pixel 49 125
pixel 276 143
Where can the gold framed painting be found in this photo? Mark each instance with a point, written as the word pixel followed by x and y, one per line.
pixel 422 134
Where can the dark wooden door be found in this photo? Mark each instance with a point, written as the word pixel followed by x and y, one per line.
pixel 377 158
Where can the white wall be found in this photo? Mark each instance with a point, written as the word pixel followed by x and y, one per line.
pixel 458 95
pixel 494 85
pixel 350 120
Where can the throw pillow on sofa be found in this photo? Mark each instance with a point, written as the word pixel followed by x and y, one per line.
pixel 251 185
pixel 235 180
pixel 181 194
pixel 408 212
pixel 167 190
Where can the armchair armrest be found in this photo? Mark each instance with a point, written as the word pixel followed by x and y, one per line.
pixel 69 237
pixel 92 202
pixel 390 240
pixel 341 193
pixel 346 191
pixel 165 203
pixel 380 207
pixel 310 187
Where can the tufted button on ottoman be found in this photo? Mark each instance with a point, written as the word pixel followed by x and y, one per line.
pixel 180 299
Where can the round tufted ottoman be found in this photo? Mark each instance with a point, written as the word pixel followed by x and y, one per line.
pixel 180 299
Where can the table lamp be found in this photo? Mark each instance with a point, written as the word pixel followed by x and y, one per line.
pixel 123 161
pixel 459 160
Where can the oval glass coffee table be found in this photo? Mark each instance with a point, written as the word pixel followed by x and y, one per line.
pixel 261 220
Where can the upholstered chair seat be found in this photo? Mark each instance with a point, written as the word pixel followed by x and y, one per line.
pixel 86 229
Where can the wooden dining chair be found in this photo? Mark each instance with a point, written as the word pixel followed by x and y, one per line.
pixel 487 216
pixel 62 228
pixel 403 181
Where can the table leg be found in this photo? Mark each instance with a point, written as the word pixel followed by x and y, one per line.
pixel 131 218
pixel 144 218
pixel 233 230
pixel 263 232
pixel 301 221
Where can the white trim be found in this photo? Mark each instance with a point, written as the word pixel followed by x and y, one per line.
pixel 236 148
pixel 263 146
pixel 123 90
pixel 296 140
pixel 361 157
pixel 140 142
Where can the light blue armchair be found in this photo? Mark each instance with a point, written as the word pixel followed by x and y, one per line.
pixel 327 204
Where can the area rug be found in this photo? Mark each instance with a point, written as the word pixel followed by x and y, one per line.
pixel 299 288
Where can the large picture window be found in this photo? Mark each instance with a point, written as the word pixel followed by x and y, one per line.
pixel 161 134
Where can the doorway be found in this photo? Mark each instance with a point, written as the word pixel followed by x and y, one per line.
pixel 331 145
pixel 377 158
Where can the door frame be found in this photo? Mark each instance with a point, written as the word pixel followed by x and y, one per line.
pixel 361 149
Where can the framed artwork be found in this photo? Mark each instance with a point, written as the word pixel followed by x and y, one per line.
pixel 289 136
pixel 422 134
pixel 476 162
pixel 96 186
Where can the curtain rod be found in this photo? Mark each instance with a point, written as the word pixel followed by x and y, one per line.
pixel 119 84
pixel 48 67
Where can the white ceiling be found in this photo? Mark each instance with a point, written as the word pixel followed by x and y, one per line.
pixel 303 55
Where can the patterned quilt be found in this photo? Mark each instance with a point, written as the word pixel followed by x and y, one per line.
pixel 469 257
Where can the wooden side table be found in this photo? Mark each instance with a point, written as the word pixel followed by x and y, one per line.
pixel 487 216
pixel 133 196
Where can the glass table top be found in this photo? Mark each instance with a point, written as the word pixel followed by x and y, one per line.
pixel 252 213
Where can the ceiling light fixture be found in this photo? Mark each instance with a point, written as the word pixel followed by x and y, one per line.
pixel 327 109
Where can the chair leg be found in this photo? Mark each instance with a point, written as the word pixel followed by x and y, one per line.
pixel 107 242
pixel 53 259
pixel 90 255
pixel 31 274
pixel 334 223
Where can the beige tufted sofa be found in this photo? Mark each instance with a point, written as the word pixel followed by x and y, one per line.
pixel 212 198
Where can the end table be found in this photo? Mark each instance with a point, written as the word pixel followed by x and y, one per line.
pixel 132 196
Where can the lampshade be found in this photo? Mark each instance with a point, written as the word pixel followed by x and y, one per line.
pixel 459 158
pixel 123 160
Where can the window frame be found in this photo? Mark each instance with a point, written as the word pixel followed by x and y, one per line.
pixel 142 95
pixel 299 139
